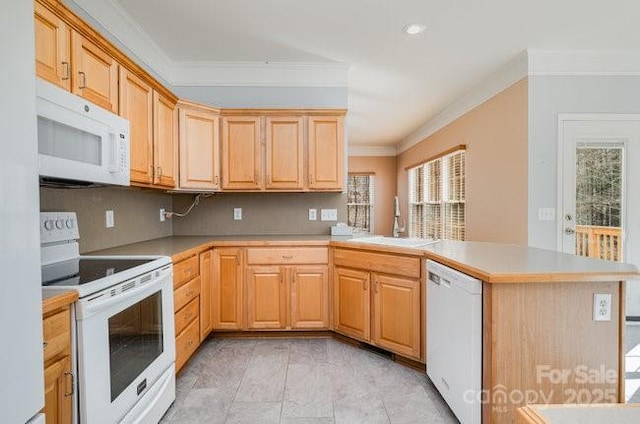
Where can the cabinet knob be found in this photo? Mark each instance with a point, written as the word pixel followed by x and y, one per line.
pixel 44 345
pixel 69 375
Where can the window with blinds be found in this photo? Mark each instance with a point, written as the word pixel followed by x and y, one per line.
pixel 437 198
pixel 360 191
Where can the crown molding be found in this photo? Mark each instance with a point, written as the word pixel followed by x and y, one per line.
pixel 259 74
pixel 360 150
pixel 583 62
pixel 125 29
pixel 512 72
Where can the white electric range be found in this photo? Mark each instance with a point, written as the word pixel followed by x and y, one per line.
pixel 124 333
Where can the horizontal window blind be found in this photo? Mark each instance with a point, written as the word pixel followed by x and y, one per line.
pixel 437 198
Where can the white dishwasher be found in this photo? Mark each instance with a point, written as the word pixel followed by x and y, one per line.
pixel 454 339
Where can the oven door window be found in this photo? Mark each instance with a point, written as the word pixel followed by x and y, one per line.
pixel 135 341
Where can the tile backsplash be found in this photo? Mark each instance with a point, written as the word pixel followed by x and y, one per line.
pixel 262 213
pixel 136 214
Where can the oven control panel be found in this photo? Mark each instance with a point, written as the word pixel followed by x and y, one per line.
pixel 58 227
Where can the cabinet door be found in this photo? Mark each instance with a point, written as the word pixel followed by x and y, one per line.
pixel 326 152
pixel 310 297
pixel 95 73
pixel 58 392
pixel 284 153
pixel 206 293
pixel 227 289
pixel 136 105
pixel 266 297
pixel 352 303
pixel 53 38
pixel 241 153
pixel 199 149
pixel 397 325
pixel 165 141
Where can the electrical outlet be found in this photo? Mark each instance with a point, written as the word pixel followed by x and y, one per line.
pixel 162 215
pixel 602 307
pixel 328 214
pixel 237 214
pixel 109 219
pixel 313 214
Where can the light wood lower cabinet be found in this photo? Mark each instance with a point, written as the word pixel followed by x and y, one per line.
pixel 287 288
pixel 186 301
pixel 373 306
pixel 59 382
pixel 227 297
pixel 266 297
pixel 351 303
pixel 206 293
pixel 396 314
pixel 310 297
pixel 58 388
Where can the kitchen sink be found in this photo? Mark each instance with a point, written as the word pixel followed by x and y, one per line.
pixel 392 241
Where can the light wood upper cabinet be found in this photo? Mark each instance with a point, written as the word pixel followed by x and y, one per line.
pixel 136 105
pixel 351 305
pixel 199 147
pixel 241 153
pixel 310 297
pixel 326 152
pixel 165 141
pixel 206 293
pixel 396 314
pixel 94 73
pixel 284 153
pixel 266 297
pixel 227 296
pixel 53 39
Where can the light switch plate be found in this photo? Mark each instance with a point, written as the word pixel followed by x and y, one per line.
pixel 237 214
pixel 602 307
pixel 546 214
pixel 328 214
pixel 109 219
pixel 162 215
pixel 313 214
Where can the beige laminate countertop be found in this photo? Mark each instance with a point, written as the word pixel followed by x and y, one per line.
pixel 490 262
pixel 52 300
pixel 178 247
pixel 508 263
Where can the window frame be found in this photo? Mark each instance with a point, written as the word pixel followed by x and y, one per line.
pixel 432 205
pixel 370 205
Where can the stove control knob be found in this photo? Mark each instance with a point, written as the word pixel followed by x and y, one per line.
pixel 48 225
pixel 69 223
pixel 59 224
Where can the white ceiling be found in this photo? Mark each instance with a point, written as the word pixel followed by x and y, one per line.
pixel 396 83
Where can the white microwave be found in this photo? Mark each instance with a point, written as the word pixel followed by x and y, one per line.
pixel 79 142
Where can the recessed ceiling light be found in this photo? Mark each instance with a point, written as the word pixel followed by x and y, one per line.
pixel 414 29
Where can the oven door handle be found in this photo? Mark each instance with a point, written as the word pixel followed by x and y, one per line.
pixel 104 300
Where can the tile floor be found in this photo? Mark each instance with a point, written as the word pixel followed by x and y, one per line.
pixel 301 381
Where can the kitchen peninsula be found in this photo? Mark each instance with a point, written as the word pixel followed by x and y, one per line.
pixel 540 342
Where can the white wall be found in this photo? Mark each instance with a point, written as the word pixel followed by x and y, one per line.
pixel 21 391
pixel 549 96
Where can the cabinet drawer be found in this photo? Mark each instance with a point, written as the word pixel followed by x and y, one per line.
pixel 406 266
pixel 187 343
pixel 56 331
pixel 287 255
pixel 185 270
pixel 187 314
pixel 186 293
